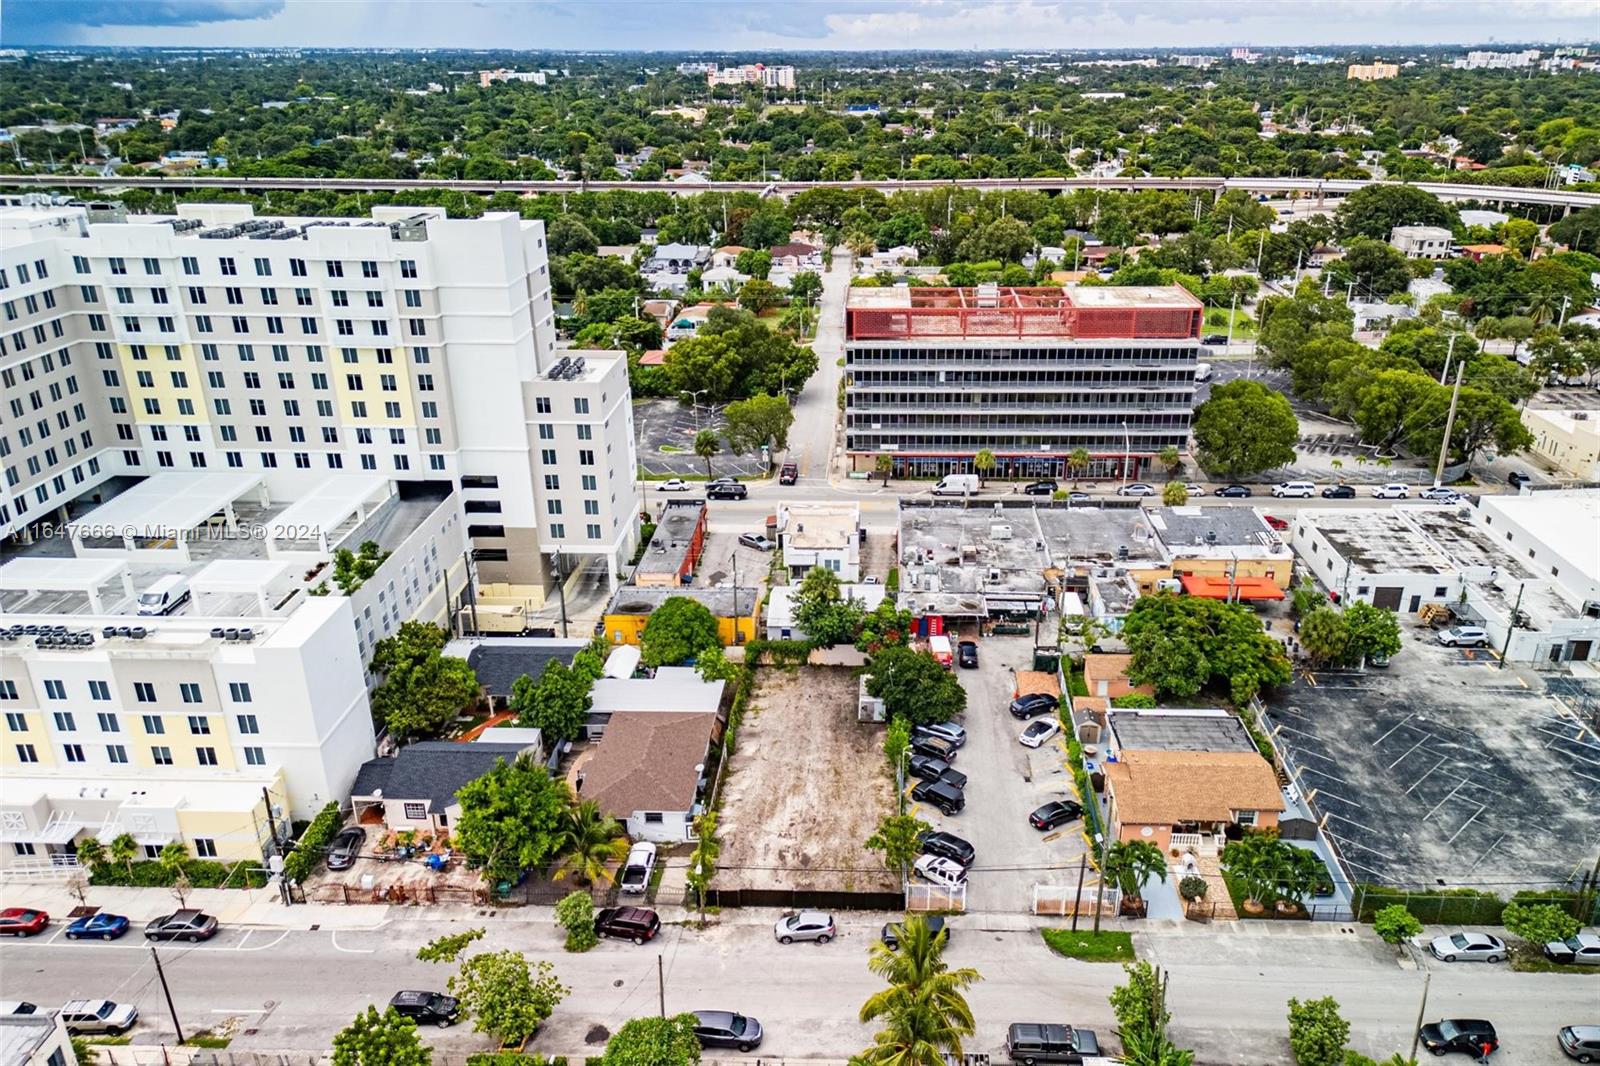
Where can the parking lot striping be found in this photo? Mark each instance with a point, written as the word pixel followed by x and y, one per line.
pixel 1424 777
pixel 1408 751
pixel 1485 853
pixel 1392 728
pixel 1481 808
pixel 333 935
pixel 1364 828
pixel 1330 777
pixel 1461 785
pixel 261 947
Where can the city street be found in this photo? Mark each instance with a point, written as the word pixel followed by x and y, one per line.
pixel 1229 983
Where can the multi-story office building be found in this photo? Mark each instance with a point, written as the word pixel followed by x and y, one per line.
pixel 412 345
pixel 1031 375
pixel 752 74
pixel 1372 71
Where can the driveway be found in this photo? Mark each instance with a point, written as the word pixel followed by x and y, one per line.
pixel 1005 781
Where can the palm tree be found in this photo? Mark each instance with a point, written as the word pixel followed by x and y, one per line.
pixel 707 444
pixel 91 852
pixel 860 243
pixel 1077 463
pixel 1130 863
pixel 924 1007
pixel 983 463
pixel 124 849
pixel 1170 459
pixel 1542 305
pixel 588 841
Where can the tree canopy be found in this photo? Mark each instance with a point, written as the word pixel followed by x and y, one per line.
pixel 1243 429
pixel 1184 644
pixel 422 689
pixel 914 686
pixel 678 630
pixel 511 819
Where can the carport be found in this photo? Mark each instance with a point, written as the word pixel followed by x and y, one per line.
pixel 265 584
pixel 154 519
pixel 1239 589
pixel 305 529
pixel 87 576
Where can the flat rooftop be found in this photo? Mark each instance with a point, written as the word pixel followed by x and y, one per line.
pixel 632 599
pixel 1178 730
pixel 1566 521
pixel 820 525
pixel 669 545
pixel 1215 527
pixel 21 1035
pixel 1080 537
pixel 1414 540
pixel 900 312
pixel 1571 421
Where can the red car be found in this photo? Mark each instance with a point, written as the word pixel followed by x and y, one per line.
pixel 1275 522
pixel 21 921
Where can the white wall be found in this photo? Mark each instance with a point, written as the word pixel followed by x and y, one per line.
pixel 672 829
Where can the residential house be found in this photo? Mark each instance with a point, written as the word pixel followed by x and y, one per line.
pixel 735 611
pixel 499 661
pixel 727 255
pixel 725 278
pixel 675 547
pixel 649 772
pixel 781 624
pixel 821 534
pixel 687 323
pixel 676 258
pixel 673 690
pixel 1479 252
pixel 1421 242
pixel 654 357
pixel 1183 798
pixel 417 787
pixel 795 258
pixel 1106 676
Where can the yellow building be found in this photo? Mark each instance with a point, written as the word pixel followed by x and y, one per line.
pixel 1567 440
pixel 1372 71
pixel 632 606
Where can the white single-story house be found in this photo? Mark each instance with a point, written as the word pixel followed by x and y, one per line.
pixel 781 607
pixel 417 787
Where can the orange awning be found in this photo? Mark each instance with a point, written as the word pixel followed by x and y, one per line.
pixel 1244 588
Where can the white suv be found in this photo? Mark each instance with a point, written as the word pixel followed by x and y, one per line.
pixel 98 1016
pixel 1302 489
pixel 1469 636
pixel 940 871
pixel 1394 490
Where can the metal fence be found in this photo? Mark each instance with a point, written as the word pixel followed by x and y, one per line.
pixel 396 894
pixel 804 899
pixel 1065 900
pixel 921 897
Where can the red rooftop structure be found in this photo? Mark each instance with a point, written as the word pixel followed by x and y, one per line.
pixel 1092 313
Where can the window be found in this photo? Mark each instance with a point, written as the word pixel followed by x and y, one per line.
pixel 297 267
pixel 335 269
pixel 116 753
pixel 153 724
pixel 248 724
pixel 199 725
pixel 73 752
pixel 541 405
pixel 239 691
pixel 99 690
pixel 161 755
pixel 369 268
pixel 17 723
pixel 55 690
pixel 652 817
pixel 206 756
pixel 416 812
pixel 191 265
pixel 1244 817
pixel 255 756
pixel 408 268
pixel 580 405
pixel 65 722
pixel 205 848
pixel 25 753
pixel 144 692
pixel 228 266
pixel 108 722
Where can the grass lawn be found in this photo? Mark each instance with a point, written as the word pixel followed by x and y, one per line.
pixel 206 1040
pixel 1529 959
pixel 1244 324
pixel 1086 946
pixel 116 1041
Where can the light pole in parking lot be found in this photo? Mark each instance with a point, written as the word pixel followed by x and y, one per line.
pixel 1127 453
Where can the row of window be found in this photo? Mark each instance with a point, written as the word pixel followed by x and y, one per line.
pixel 227 265
pixel 204 848
pixel 23 274
pixel 160 754
pixel 558 530
pixel 269 460
pixel 344 327
pixel 143 691
pixel 154 724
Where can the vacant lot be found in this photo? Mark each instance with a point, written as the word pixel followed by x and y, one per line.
pixel 805 788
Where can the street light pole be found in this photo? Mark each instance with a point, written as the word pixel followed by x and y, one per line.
pixel 1127 453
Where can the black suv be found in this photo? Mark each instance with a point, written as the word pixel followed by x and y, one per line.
pixel 427 1008
pixel 1030 1042
pixel 1467 1035
pixel 941 794
pixel 947 845
pixel 967 655
pixel 938 747
pixel 727 490
pixel 627 923
pixel 1033 704
pixel 927 768
pixel 1040 488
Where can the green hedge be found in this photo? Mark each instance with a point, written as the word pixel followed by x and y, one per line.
pixel 1091 805
pixel 1465 906
pixel 201 874
pixel 513 1058
pixel 313 843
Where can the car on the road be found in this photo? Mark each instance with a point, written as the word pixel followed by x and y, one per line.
pixel 1394 490
pixel 967 655
pixel 673 484
pixel 346 847
pixel 950 731
pixel 1033 704
pixel 756 541
pixel 805 925
pixel 940 871
pixel 1138 488
pixel 788 474
pixel 22 921
pixel 1467 1035
pixel 1235 492
pixel 1193 490
pixel 941 794
pixel 1294 489
pixel 1468 947
pixel 1516 479
pixel 938 747
pixel 1028 1043
pixel 937 842
pixel 1275 522
pixel 637 924
pixel 427 1008
pixel 1580 1042
pixel 1075 496
pixel 1339 492
pixel 98 1016
pixel 101 926
pixel 9 1007
pixel 1439 494
pixel 1463 637
pixel 1580 950
pixel 1040 488
pixel 1214 339
pixel 726 1028
pixel 727 490
pixel 891 931
pixel 1054 813
pixel 190 925
pixel 1037 732
pixel 636 869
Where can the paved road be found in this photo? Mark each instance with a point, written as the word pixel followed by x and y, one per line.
pixel 1228 985
pixel 816 409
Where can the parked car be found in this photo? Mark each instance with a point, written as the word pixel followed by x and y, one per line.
pixel 636 869
pixel 190 925
pixel 1581 1042
pixel 101 926
pixel 1339 492
pixel 805 925
pixel 1516 479
pixel 757 541
pixel 891 931
pixel 346 847
pixel 1463 637
pixel 673 484
pixel 938 747
pixel 1034 703
pixel 1394 490
pixel 954 778
pixel 1214 339
pixel 1471 947
pixel 1192 490
pixel 941 794
pixel 1038 732
pixel 427 1008
pixel 22 921
pixel 1275 522
pixel 940 871
pixel 1028 1043
pixel 1138 488
pixel 1040 488
pixel 727 491
pixel 788 474
pixel 1580 950
pixel 950 731
pixel 1439 494
pixel 1076 496
pixel 936 842
pixel 725 1028
pixel 927 768
pixel 1054 813
pixel 967 655
pixel 1300 489
pixel 627 923
pixel 9 1007
pixel 1235 492
pixel 99 1016
pixel 1467 1035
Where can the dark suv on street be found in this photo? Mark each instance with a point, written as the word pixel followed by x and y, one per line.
pixel 1033 704
pixel 627 923
pixel 427 1008
pixel 1031 1042
pixel 1467 1035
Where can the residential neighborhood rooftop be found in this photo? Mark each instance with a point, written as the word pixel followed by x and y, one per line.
pixel 648 762
pixel 1161 787
pixel 1178 730
pixel 634 599
pixel 432 770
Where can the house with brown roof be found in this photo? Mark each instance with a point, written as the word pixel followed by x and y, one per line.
pixel 795 257
pixel 1189 798
pixel 648 772
pixel 1107 676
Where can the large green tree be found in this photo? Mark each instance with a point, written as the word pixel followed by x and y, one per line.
pixel 511 819
pixel 374 1039
pixel 1245 428
pixel 1182 644
pixel 1373 211
pixel 914 686
pixel 507 997
pixel 557 704
pixel 1317 1032
pixel 761 419
pixel 680 629
pixel 422 689
pixel 654 1042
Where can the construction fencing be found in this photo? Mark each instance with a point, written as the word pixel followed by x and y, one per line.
pixel 1067 900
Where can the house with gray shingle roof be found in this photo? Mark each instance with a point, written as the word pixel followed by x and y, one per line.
pixel 417 787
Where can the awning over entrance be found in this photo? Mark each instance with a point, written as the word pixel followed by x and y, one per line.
pixel 1241 588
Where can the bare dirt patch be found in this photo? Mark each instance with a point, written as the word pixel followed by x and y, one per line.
pixel 805 788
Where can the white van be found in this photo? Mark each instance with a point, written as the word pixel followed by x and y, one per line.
pixel 1202 373
pixel 165 596
pixel 956 485
pixel 1302 489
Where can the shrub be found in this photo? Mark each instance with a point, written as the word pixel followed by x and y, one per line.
pixel 1394 923
pixel 1192 888
pixel 575 914
pixel 201 874
pixel 1538 923
pixel 1317 1032
pixel 313 843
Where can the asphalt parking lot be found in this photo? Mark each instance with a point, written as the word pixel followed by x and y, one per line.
pixel 724 555
pixel 666 423
pixel 1005 781
pixel 1444 770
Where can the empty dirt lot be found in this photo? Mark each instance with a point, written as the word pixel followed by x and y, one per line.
pixel 805 788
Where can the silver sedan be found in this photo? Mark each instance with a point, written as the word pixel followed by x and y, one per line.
pixel 1468 947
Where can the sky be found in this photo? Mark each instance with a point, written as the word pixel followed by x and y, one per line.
pixel 793 25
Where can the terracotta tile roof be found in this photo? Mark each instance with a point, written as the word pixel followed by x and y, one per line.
pixel 1163 787
pixel 1031 681
pixel 1105 666
pixel 646 762
pixel 654 357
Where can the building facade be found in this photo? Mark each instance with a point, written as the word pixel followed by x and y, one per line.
pixel 1031 375
pixel 1568 440
pixel 1372 71
pixel 1421 242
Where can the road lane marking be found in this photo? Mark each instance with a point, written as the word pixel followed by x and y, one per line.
pixel 333 934
pixel 262 947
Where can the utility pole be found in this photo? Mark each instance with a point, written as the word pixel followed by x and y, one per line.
pixel 561 592
pixel 1511 626
pixel 1448 353
pixel 1100 893
pixel 1449 424
pixel 661 987
pixel 165 991
pixel 1422 1009
pixel 1077 901
pixel 1233 309
pixel 272 825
